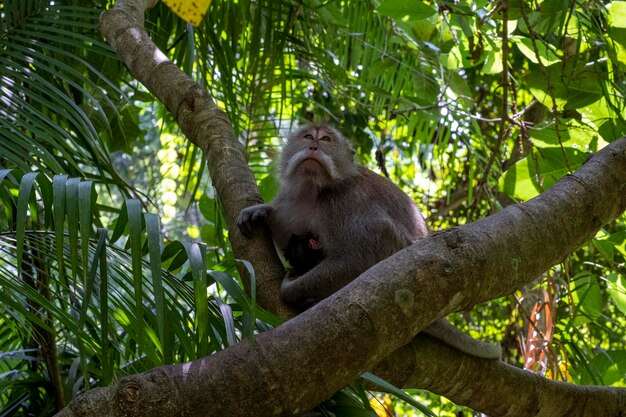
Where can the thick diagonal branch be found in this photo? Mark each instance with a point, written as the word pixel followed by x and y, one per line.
pixel 304 361
pixel 494 387
pixel 207 127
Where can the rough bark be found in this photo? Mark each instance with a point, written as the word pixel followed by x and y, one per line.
pixel 207 127
pixel 423 363
pixel 304 361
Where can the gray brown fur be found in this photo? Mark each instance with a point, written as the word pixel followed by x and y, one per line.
pixel 358 217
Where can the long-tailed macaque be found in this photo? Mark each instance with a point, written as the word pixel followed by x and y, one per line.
pixel 334 219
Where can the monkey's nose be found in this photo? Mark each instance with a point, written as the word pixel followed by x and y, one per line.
pixel 313 147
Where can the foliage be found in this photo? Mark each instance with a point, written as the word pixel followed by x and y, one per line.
pixel 469 106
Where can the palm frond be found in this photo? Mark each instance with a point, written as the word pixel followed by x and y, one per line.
pixel 58 108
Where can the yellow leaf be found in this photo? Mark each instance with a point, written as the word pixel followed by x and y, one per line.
pixel 191 11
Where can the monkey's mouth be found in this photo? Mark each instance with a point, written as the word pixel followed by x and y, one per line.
pixel 311 164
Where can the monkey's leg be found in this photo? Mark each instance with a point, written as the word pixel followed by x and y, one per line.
pixel 327 277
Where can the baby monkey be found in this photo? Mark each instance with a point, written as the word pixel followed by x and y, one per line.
pixel 334 219
pixel 303 253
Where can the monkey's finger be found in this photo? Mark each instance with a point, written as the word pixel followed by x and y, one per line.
pixel 244 224
pixel 245 229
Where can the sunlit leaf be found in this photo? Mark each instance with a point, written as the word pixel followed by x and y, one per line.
pixel 190 10
pixel 537 51
pixel 617 12
pixel 538 172
pixel 406 10
pixel 611 365
pixel 617 290
pixel 587 296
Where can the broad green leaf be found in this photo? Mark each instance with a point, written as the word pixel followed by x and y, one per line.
pixel 58 190
pixel 538 172
pixel 107 353
pixel 618 239
pixel 493 62
pixel 587 296
pixel 86 198
pixel 406 10
pixel 268 187
pixel 423 30
pixel 71 206
pixel 519 182
pixel 570 87
pixel 605 248
pixel 207 207
pixel 545 52
pixel 617 12
pixel 610 364
pixel 229 323
pixel 571 134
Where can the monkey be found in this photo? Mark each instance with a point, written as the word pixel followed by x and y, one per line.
pixel 355 216
pixel 302 253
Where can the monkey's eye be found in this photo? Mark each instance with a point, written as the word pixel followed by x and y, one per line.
pixel 325 138
pixel 308 137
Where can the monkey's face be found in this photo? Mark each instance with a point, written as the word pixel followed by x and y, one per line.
pixel 317 153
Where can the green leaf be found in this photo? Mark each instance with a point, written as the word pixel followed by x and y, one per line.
pixel 386 386
pixel 545 54
pixel 617 12
pixel 406 10
pixel 58 191
pixel 605 247
pixel 570 86
pixel 154 246
pixel 86 198
pixel 207 207
pixel 26 189
pixel 587 296
pixel 229 323
pixel 617 290
pixel 610 364
pixel 538 172
pixel 196 253
pixel 133 210
pixel 268 187
pixel 493 62
pixel 571 134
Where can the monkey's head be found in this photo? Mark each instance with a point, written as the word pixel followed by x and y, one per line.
pixel 317 153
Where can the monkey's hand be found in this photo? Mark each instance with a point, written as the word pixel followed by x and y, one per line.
pixel 288 287
pixel 250 216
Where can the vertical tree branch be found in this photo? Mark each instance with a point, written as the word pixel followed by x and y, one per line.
pixel 206 126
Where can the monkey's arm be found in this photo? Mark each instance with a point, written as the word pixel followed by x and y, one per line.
pixel 346 258
pixel 324 279
pixel 250 216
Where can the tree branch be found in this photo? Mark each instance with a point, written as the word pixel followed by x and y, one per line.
pixel 207 127
pixel 286 373
pixel 494 387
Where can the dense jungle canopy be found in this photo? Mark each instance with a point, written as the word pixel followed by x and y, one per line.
pixel 119 184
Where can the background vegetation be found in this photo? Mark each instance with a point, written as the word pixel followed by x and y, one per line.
pixel 114 257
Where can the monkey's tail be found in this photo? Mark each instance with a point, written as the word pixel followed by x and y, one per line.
pixel 446 332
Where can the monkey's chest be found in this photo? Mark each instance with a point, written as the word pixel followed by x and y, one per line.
pixel 300 221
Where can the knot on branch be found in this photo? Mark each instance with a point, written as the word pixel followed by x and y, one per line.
pixel 405 299
pixel 129 393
